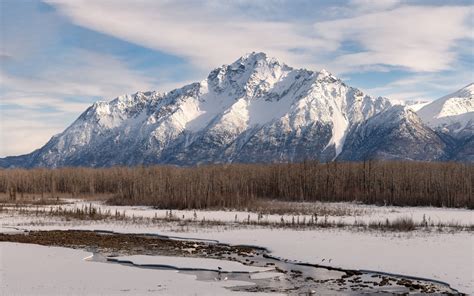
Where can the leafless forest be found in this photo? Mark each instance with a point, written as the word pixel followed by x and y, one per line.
pixel 238 185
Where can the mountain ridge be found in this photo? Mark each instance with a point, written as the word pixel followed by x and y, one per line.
pixel 452 114
pixel 256 109
pixel 376 138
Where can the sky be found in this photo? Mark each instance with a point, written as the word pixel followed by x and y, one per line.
pixel 59 56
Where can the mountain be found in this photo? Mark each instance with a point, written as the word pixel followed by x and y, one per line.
pixel 415 105
pixel 439 130
pixel 256 109
pixel 396 133
pixel 452 114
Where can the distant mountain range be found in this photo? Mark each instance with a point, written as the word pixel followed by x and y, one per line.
pixel 259 110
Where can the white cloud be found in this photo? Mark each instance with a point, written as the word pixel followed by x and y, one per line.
pixel 207 33
pixel 23 132
pixel 89 74
pixel 417 38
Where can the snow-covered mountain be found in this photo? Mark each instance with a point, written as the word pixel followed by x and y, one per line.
pixel 395 133
pixel 256 109
pixel 452 114
pixel 415 105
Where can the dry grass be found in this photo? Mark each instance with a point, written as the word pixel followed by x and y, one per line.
pixel 315 221
pixel 399 224
pixel 275 207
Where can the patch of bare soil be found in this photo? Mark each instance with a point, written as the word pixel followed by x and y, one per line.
pixel 125 244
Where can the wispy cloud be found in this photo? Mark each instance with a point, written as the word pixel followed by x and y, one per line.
pixel 427 86
pixel 417 38
pixel 206 33
pixel 45 103
pixel 23 131
pixel 82 73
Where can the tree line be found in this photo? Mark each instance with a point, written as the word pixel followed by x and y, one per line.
pixel 238 185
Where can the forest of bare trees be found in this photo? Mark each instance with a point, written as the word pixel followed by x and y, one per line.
pixel 238 185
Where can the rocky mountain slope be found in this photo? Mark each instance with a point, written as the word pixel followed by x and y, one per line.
pixel 397 134
pixel 452 114
pixel 256 109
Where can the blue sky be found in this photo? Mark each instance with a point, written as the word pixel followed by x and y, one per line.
pixel 58 56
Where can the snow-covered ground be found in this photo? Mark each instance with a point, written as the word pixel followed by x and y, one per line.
pixel 348 213
pixel 39 270
pixel 361 213
pixel 445 255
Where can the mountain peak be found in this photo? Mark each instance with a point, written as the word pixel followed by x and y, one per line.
pixel 255 60
pixel 324 72
pixel 253 56
pixel 251 74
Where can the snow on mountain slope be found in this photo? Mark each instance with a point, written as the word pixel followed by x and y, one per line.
pixel 452 114
pixel 416 105
pixel 413 105
pixel 395 133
